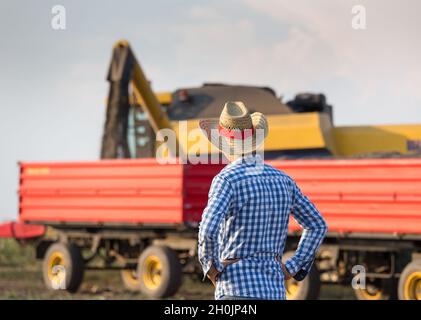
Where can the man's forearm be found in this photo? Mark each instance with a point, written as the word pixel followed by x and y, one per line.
pixel 219 201
pixel 305 253
pixel 208 255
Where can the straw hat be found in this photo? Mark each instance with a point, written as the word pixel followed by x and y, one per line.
pixel 236 132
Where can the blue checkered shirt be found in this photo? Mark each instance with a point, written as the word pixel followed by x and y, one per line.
pixel 247 218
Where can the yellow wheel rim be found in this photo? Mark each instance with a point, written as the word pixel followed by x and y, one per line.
pixel 371 293
pixel 291 287
pixel 130 276
pixel 412 287
pixel 56 275
pixel 152 269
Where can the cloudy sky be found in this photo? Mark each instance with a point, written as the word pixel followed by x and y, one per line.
pixel 52 82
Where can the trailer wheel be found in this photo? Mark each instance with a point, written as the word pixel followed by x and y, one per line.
pixel 130 280
pixel 308 289
pixel 159 271
pixel 377 289
pixel 63 267
pixel 410 282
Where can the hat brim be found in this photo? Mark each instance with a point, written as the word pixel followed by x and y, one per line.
pixel 236 146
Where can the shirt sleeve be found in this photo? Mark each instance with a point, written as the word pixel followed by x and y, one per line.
pixel 219 202
pixel 314 230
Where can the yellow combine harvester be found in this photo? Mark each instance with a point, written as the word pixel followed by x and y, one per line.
pixel 302 127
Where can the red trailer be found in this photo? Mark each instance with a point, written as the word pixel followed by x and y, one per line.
pixel 142 217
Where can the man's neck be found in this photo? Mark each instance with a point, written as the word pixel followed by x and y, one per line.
pixel 241 158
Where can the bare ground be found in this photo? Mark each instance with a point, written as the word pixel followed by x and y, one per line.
pixel 21 278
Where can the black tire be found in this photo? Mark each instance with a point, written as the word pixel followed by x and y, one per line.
pixel 409 287
pixel 130 280
pixel 378 289
pixel 159 272
pixel 69 257
pixel 307 289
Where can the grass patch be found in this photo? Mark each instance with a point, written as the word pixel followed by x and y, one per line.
pixel 13 254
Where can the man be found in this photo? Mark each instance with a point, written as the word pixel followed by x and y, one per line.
pixel 244 225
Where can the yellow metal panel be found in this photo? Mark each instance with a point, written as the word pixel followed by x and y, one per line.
pixel 382 138
pixel 190 137
pixel 326 126
pixel 297 131
pixel 286 132
pixel 164 98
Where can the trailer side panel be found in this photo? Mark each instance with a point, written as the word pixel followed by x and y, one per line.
pixel 111 191
pixel 358 195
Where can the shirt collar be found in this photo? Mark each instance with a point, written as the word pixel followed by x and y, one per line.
pixel 247 159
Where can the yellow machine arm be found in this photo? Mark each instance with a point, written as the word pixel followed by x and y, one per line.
pixel 125 69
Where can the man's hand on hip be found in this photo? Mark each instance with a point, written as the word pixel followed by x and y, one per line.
pixel 213 274
pixel 287 275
